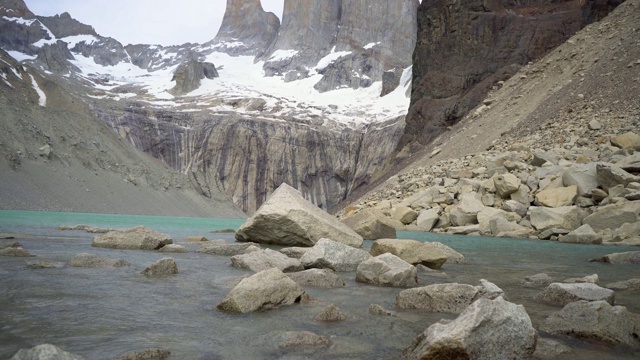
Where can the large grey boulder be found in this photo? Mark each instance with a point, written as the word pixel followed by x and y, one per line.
pixel 427 219
pixel 629 257
pixel 45 352
pixel 288 219
pixel 489 290
pixel 162 267
pixel 228 249
pixel 487 213
pixel 501 227
pixel 630 163
pixel 266 289
pixel 412 251
pixel 466 211
pixel 86 260
pixel 266 259
pixel 453 257
pixel 188 76
pixel 404 214
pixel 446 298
pixel 329 254
pixel 371 225
pixel 595 320
pixel 582 235
pixel 610 175
pixel 584 177
pixel 613 216
pixel 562 294
pixel 388 270
pixel 565 217
pixel 137 238
pixel 320 278
pixel 486 330
pixel 628 140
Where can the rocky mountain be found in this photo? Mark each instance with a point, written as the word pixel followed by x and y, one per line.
pixel 466 48
pixel 214 113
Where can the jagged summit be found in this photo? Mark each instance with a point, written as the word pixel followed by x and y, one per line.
pixel 15 8
pixel 246 28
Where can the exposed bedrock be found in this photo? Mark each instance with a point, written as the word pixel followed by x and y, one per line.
pixel 248 158
pixel 366 39
pixel 465 48
pixel 246 28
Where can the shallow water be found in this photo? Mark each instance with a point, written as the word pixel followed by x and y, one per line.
pixel 103 313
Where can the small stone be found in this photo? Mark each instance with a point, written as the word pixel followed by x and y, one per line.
pixel 331 313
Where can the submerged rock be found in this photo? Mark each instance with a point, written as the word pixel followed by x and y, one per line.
pixel 388 270
pixel 15 252
pixel 228 249
pixel 162 267
pixel 266 259
pixel 174 248
pixel 595 320
pixel 446 298
pixel 266 289
pixel 562 294
pixel 331 313
pixel 329 254
pixel 321 278
pixel 45 352
pixel 294 339
pixel 149 354
pixel 86 260
pixel 629 257
pixel 45 264
pixel 288 219
pixel 137 238
pixel 537 281
pixel 487 329
pixel 631 284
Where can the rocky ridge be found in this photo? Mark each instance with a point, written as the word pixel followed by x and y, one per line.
pixel 549 151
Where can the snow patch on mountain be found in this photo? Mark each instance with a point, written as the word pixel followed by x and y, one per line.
pixel 330 58
pixel 42 101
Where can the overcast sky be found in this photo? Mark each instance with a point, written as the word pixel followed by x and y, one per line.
pixel 165 22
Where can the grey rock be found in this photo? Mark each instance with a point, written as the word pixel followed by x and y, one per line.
pixel 515 207
pixel 487 329
pixel 162 267
pixel 631 284
pixel 266 259
pixel 566 217
pixel 266 289
pixel 320 278
pixel 629 140
pixel 412 251
pixel 148 354
pixel 173 248
pixel 371 225
pixel 375 309
pixel 55 58
pixel 552 232
pixel 506 184
pixel 592 279
pixel 295 252
pixel 466 212
pixel 594 125
pixel 610 175
pixel 45 352
pixel 537 281
pixel 557 197
pixel 228 249
pixel 582 235
pixel 188 76
pixel 329 254
pixel 15 252
pixel 387 270
pixel 404 214
pixel 595 320
pixel 85 260
pixel 501 227
pixel 290 220
pixel 582 176
pixel 446 298
pixel 547 349
pixel 137 238
pixel 562 294
pixel 613 216
pixel 489 290
pixel 629 257
pixel 294 339
pixel 630 163
pixel 45 264
pixel 331 313
pixel 427 219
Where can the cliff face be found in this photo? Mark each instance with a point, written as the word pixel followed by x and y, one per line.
pixel 248 158
pixel 246 28
pixel 350 43
pixel 465 48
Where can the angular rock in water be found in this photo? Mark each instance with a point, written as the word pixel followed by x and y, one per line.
pixel 228 249
pixel 388 270
pixel 174 248
pixel 45 264
pixel 149 354
pixel 266 259
pixel 290 339
pixel 320 278
pixel 295 252
pixel 288 219
pixel 162 267
pixel 565 217
pixel 375 309
pixel 582 235
pixel 371 225
pixel 595 320
pixel 613 216
pixel 629 257
pixel 331 313
pixel 86 260
pixel 446 298
pixel 266 289
pixel 329 254
pixel 631 284
pixel 15 252
pixel 592 279
pixel 489 290
pixel 487 329
pixel 537 281
pixel 412 251
pixel 562 294
pixel 550 349
pixel 137 238
pixel 45 352
pixel 196 239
